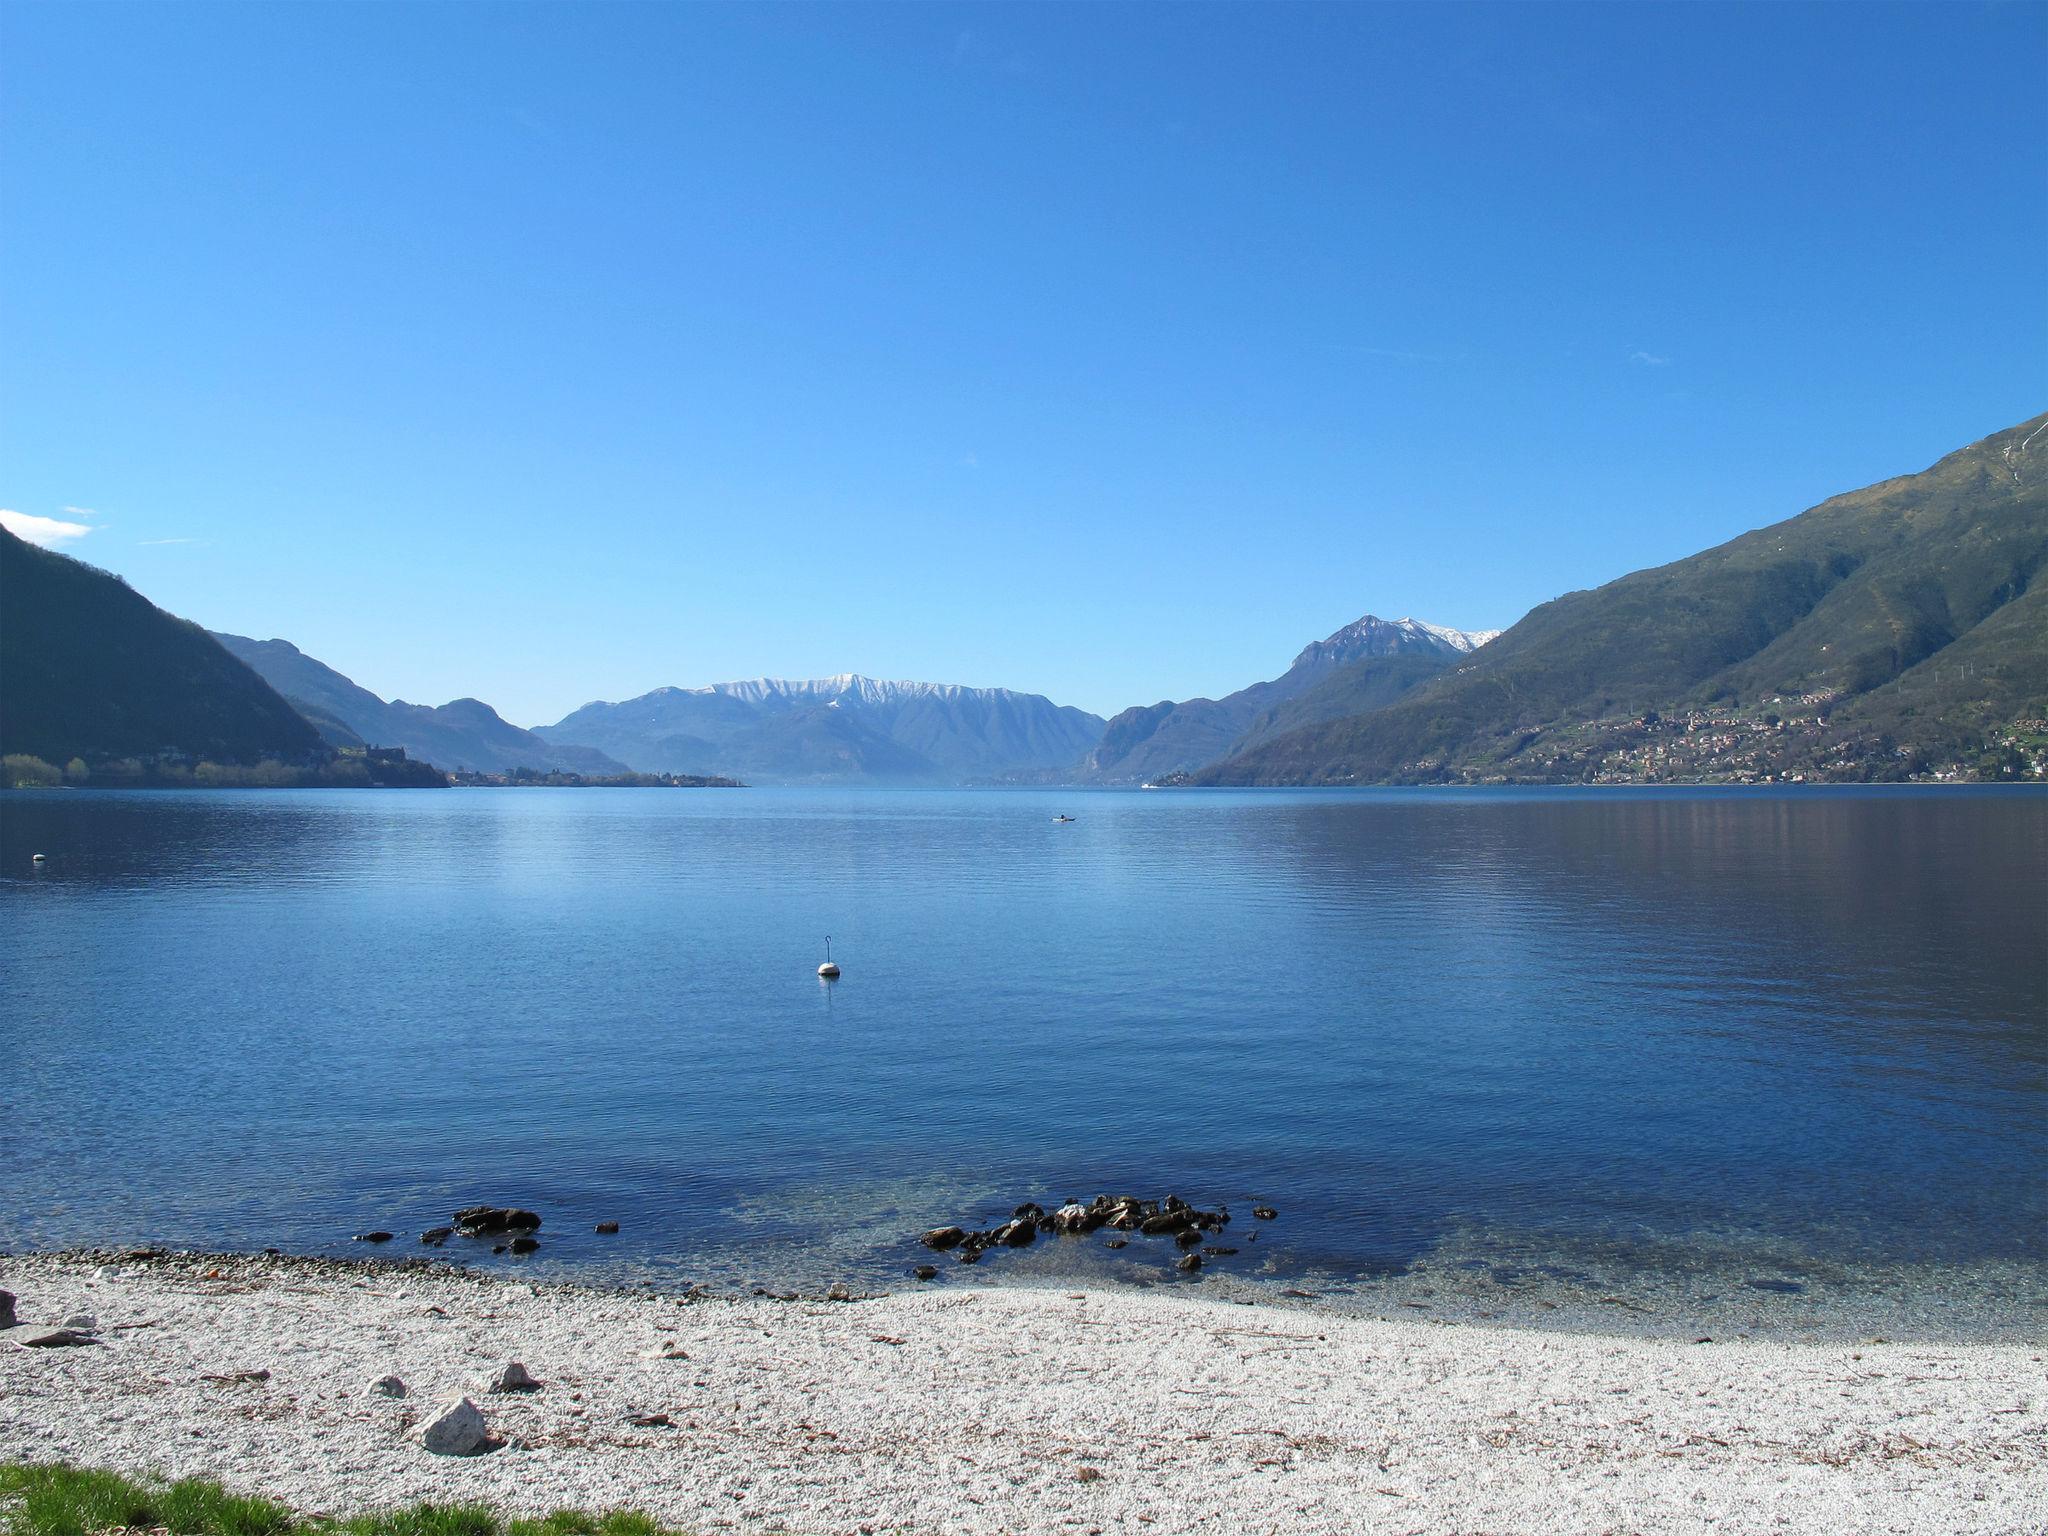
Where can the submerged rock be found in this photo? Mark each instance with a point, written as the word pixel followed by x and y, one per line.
pixel 455 1428
pixel 479 1220
pixel 434 1237
pixel 607 1228
pixel 925 1272
pixel 1264 1212
pixel 1190 1264
pixel 942 1238
pixel 525 1244
pixel 372 1237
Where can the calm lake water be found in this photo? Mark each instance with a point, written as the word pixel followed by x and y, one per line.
pixel 1639 1059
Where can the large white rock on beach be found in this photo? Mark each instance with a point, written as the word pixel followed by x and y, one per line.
pixel 456 1428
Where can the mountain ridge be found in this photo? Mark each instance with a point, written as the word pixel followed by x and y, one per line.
pixel 1775 647
pixel 464 734
pixel 1369 658
pixel 95 670
pixel 847 728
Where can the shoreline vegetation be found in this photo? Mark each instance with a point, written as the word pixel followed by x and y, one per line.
pixel 375 769
pixel 334 1386
pixel 59 1499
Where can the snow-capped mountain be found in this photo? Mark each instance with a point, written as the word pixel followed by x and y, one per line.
pixel 1371 636
pixel 844 729
pixel 1361 666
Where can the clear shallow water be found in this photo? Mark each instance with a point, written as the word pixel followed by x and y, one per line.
pixel 1583 1051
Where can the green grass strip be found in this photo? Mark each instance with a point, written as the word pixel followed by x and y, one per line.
pixel 57 1500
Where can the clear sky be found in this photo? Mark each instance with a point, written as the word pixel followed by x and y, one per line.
pixel 546 353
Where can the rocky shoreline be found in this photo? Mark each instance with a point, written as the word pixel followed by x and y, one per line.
pixel 1014 1410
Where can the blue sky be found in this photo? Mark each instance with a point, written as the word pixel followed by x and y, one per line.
pixel 550 353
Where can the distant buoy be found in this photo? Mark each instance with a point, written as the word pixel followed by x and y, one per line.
pixel 36 858
pixel 828 969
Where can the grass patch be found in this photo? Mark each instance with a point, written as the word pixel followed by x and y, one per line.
pixel 56 1500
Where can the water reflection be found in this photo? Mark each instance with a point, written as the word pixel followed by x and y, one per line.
pixel 1440 1029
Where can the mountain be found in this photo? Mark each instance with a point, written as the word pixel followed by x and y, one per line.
pixel 89 668
pixel 1361 666
pixel 466 734
pixel 836 730
pixel 1892 631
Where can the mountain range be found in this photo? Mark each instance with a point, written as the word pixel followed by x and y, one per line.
pixel 466 734
pixel 1894 631
pixel 1897 631
pixel 1363 665
pixel 91 669
pixel 844 729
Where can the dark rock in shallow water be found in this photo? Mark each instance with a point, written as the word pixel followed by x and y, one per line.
pixel 1219 1253
pixel 1166 1221
pixel 942 1238
pixel 1073 1218
pixel 373 1237
pixel 1016 1234
pixel 525 1244
pixel 925 1272
pixel 1781 1287
pixel 970 1256
pixel 434 1237
pixel 607 1228
pixel 1190 1264
pixel 1264 1212
pixel 479 1220
pixel 1030 1210
pixel 1188 1237
pixel 1118 1242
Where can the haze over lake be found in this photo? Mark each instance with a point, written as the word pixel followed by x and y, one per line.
pixel 1485 1049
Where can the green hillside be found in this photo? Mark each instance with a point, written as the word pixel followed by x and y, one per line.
pixel 1888 630
pixel 91 669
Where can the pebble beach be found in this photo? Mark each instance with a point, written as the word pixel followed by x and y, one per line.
pixel 998 1410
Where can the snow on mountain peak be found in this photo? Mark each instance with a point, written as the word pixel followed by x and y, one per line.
pixel 1374 636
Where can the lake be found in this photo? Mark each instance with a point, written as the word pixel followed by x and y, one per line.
pixel 1645 1060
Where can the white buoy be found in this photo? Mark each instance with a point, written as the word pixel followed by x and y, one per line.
pixel 828 969
pixel 36 858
